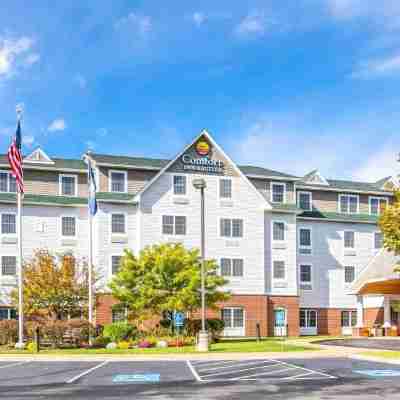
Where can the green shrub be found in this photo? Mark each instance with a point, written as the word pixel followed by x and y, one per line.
pixel 32 347
pixel 119 331
pixel 8 332
pixel 54 331
pixel 100 342
pixel 214 326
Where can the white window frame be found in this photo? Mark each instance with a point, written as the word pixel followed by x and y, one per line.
pixel 312 275
pixel 231 277
pixel 348 204
pixel 187 185
pixel 174 225
pixel 8 172
pixel 244 317
pixel 110 172
pixel 307 318
pixel 298 199
pixel 350 318
pixel 16 228
pixel 379 199
pixel 283 184
pixel 344 274
pixel 1 265
pixel 344 242
pixel 284 279
pixel 300 246
pixel 111 256
pixel 76 226
pixel 284 231
pixel 374 242
pixel 126 222
pixel 231 236
pixel 219 188
pixel 60 177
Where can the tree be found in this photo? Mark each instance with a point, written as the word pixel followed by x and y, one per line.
pixel 389 223
pixel 54 287
pixel 165 277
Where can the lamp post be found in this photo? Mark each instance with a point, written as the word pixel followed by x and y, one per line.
pixel 200 184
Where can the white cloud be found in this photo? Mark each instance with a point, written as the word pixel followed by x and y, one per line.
pixel 378 165
pixel 142 24
pixel 31 59
pixel 198 18
pixel 252 25
pixel 91 145
pixel 377 68
pixel 28 140
pixel 102 132
pixel 344 9
pixel 10 50
pixel 81 81
pixel 57 125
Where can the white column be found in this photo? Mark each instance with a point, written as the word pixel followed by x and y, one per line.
pixel 360 312
pixel 387 320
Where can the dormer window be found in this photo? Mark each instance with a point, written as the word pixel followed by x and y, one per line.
pixel 7 182
pixel 304 201
pixel 68 185
pixel 348 204
pixel 377 205
pixel 118 181
pixel 278 192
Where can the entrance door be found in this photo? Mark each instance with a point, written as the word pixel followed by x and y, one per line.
pixel 349 321
pixel 308 322
pixel 280 322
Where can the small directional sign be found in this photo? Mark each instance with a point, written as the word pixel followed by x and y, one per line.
pixel 179 319
pixel 377 373
pixel 136 378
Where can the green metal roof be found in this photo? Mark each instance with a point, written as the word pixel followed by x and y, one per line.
pixel 286 207
pixel 138 162
pixel 59 163
pixel 332 216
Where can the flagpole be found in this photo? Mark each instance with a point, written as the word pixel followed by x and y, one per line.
pixel 20 343
pixel 90 275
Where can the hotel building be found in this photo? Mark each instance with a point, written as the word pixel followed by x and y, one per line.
pixel 302 254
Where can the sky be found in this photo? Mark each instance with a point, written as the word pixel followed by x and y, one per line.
pixel 292 86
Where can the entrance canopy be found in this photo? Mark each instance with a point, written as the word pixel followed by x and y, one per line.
pixel 379 277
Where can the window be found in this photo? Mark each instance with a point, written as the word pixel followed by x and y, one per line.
pixel 304 201
pixel 7 182
pixel 179 184
pixel 115 264
pixel 305 241
pixel 279 270
pixel 68 226
pixel 377 205
pixel 7 313
pixel 232 267
pixel 278 231
pixel 349 274
pixel 305 274
pixel 378 240
pixel 173 225
pixel 8 224
pixel 225 188
pixel 118 181
pixel 118 223
pixel 8 265
pixel 68 185
pixel 348 238
pixel 233 317
pixel 348 319
pixel 308 318
pixel 278 192
pixel 118 315
pixel 231 227
pixel 348 203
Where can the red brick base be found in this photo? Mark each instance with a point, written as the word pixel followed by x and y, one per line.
pixel 291 305
pixel 373 316
pixel 104 304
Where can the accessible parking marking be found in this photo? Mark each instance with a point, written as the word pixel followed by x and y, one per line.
pixel 252 370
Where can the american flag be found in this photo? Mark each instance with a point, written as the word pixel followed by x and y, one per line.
pixel 15 159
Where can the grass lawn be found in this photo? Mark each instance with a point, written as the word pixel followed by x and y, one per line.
pixel 224 346
pixel 388 354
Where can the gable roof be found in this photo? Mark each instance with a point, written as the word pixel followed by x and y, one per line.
pixel 209 138
pixel 314 178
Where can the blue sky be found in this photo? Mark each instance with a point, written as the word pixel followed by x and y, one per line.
pixel 287 85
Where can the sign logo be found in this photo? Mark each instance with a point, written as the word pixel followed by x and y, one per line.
pixel 202 148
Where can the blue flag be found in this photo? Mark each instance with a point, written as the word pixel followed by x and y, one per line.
pixel 92 188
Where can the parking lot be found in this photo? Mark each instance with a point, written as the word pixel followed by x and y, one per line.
pixel 219 379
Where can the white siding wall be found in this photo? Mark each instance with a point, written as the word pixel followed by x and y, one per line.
pixel 328 261
pixel 159 200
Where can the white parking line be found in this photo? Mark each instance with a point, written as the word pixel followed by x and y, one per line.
pixel 193 371
pixel 236 365
pixel 211 363
pixel 306 369
pixel 262 374
pixel 14 364
pixel 238 370
pixel 88 371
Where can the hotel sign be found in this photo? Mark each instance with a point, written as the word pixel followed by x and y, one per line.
pixel 201 161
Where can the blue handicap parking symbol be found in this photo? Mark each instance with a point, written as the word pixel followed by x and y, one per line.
pixel 179 319
pixel 136 378
pixel 377 373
